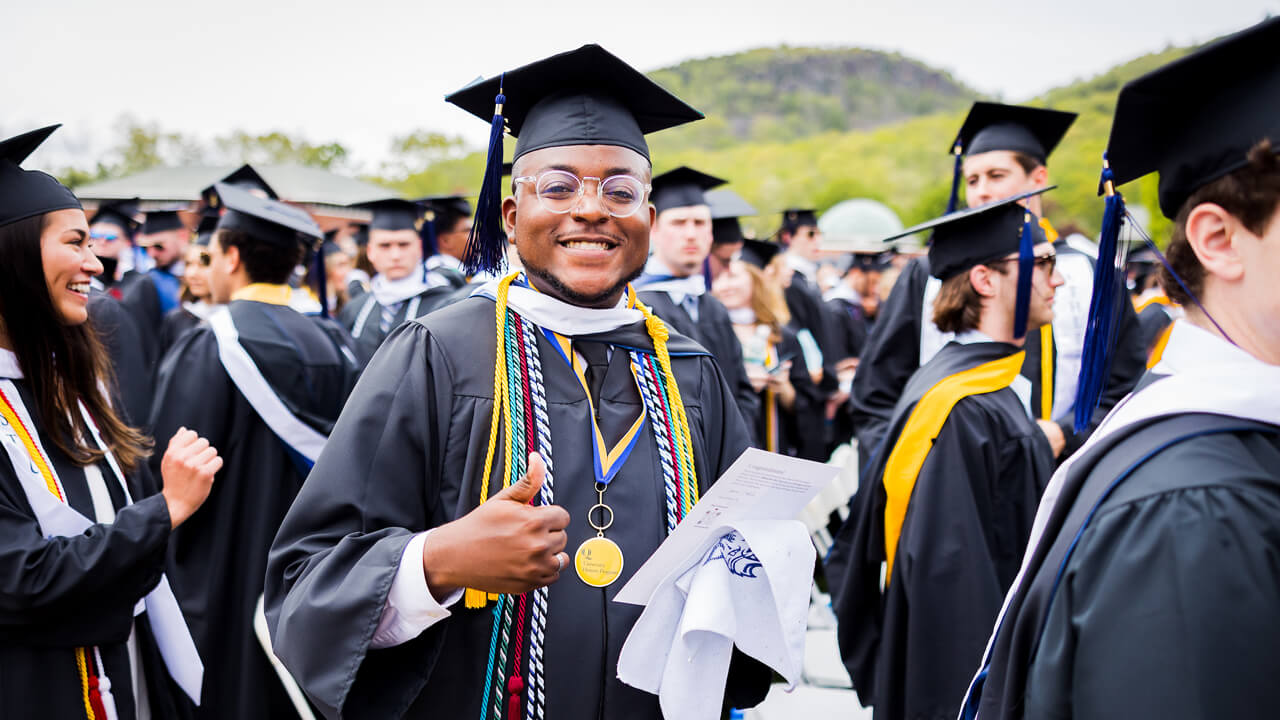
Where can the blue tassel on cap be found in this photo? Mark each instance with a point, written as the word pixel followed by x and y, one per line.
pixel 1026 272
pixel 486 246
pixel 955 180
pixel 706 272
pixel 1108 292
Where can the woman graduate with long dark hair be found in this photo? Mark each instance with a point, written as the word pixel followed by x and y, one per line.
pixel 89 627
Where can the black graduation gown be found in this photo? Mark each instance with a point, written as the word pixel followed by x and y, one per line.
pixel 220 553
pixel 1152 322
pixel 1166 606
pixel 120 336
pixel 850 328
pixel 800 430
pixel 714 331
pixel 142 297
pixel 68 592
pixel 911 649
pixel 892 354
pixel 176 322
pixel 808 312
pixel 407 455
pixel 370 335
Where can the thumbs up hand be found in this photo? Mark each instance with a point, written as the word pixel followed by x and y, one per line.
pixel 505 546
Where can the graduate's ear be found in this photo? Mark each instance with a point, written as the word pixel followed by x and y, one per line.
pixel 231 253
pixel 509 215
pixel 1213 233
pixel 981 278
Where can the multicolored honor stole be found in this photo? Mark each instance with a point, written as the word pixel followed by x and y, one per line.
pixel 520 408
pixel 917 436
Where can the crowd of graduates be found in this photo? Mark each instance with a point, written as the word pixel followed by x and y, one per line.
pixel 260 470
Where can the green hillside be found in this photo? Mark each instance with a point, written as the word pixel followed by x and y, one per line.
pixel 895 153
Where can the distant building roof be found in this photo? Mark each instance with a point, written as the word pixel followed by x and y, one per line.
pixel 323 191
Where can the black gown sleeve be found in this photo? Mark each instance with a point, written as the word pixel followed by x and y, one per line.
pixel 77 590
pixel 118 331
pixel 891 355
pixel 338 549
pixel 1168 608
pixel 186 394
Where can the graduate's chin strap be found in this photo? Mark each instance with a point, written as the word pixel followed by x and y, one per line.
pixel 658 333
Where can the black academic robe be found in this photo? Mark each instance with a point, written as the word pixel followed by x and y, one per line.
pixel 911 648
pixel 1162 601
pixel 850 327
pixel 800 429
pixel 142 298
pixel 804 301
pixel 67 592
pixel 1154 319
pixel 176 322
pixel 713 331
pixel 120 336
pixel 368 335
pixel 220 553
pixel 407 455
pixel 892 354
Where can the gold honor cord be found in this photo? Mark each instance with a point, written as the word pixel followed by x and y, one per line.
pixel 1046 372
pixel 922 428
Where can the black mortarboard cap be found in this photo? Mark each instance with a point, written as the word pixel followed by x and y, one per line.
pixel 456 205
pixel 207 225
pixel 971 236
pixel 121 213
pixel 393 214
pixel 360 234
pixel 1017 128
pixel 795 218
pixel 27 193
pixel 759 252
pixel 586 96
pixel 726 231
pixel 243 177
pixel 246 178
pixel 682 187
pixel 1235 83
pixel 162 220
pixel 265 220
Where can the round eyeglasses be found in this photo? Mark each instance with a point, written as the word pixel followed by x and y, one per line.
pixel 560 191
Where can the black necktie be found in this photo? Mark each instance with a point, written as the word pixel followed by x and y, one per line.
pixel 596 356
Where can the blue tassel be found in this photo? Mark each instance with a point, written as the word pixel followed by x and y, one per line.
pixel 1026 273
pixel 428 235
pixel 955 180
pixel 706 272
pixel 322 281
pixel 1104 315
pixel 486 251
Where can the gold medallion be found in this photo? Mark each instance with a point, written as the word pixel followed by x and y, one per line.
pixel 598 561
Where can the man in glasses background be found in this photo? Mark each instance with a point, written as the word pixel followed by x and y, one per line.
pixel 165 238
pixel 946 510
pixel 112 229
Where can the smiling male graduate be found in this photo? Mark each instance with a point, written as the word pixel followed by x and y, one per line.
pixel 433 568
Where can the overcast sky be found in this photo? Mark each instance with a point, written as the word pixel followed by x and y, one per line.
pixel 361 72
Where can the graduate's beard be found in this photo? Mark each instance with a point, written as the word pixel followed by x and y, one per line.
pixel 573 296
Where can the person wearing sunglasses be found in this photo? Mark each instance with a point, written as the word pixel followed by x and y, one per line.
pixel 937 527
pixel 112 229
pixel 91 627
pixel 165 237
pixel 416 526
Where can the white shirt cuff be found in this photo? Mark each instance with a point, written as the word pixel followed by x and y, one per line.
pixel 410 608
